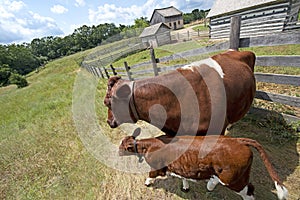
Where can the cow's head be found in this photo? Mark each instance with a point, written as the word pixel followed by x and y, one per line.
pixel 117 100
pixel 127 146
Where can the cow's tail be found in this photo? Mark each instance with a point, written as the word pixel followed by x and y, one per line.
pixel 282 192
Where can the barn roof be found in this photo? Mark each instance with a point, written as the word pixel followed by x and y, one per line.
pixel 152 30
pixel 227 6
pixel 167 12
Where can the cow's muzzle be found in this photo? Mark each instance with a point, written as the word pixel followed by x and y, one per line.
pixel 112 123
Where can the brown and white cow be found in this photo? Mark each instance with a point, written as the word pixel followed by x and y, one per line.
pixel 228 162
pixel 201 98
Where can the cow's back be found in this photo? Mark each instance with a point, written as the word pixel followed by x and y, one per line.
pixel 239 82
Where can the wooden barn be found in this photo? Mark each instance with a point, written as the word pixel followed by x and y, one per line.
pixel 156 35
pixel 170 16
pixel 258 17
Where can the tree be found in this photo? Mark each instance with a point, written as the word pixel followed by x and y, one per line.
pixel 5 73
pixel 141 22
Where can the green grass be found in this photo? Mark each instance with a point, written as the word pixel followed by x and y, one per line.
pixel 201 27
pixel 43 157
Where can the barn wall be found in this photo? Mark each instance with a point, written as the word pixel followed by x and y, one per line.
pixel 255 22
pixel 169 21
pixel 161 37
pixel 291 21
pixel 157 18
pixel 175 22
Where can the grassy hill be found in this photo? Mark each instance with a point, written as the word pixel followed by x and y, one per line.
pixel 42 155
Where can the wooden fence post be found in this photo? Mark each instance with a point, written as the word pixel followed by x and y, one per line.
pixel 235 32
pixel 128 71
pixel 99 70
pixel 154 62
pixel 106 72
pixel 113 70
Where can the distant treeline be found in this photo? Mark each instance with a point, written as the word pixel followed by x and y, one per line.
pixel 196 14
pixel 17 60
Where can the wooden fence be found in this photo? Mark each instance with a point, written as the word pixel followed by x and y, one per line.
pixel 153 68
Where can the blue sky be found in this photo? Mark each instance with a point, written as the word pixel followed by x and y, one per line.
pixel 24 20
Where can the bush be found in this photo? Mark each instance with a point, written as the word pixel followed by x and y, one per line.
pixel 5 73
pixel 19 80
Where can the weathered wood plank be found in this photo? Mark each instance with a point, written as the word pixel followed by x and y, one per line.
pixel 278 79
pixel 234 37
pixel 271 40
pixel 279 98
pixel 141 72
pixel 264 113
pixel 265 9
pixel 289 61
pixel 170 68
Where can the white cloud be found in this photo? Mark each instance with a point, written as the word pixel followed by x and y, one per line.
pixel 58 9
pixel 110 13
pixel 80 3
pixel 16 5
pixel 17 24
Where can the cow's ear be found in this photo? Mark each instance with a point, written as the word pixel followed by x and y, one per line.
pixel 136 132
pixel 113 80
pixel 124 91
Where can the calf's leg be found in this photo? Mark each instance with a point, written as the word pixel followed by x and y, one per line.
pixel 247 192
pixel 213 181
pixel 153 174
pixel 149 181
pixel 185 185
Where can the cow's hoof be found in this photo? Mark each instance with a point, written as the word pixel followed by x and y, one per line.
pixel 185 190
pixel 148 185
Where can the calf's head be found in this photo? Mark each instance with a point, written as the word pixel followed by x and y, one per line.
pixel 128 144
pixel 117 100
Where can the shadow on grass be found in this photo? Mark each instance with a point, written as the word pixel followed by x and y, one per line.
pixel 279 139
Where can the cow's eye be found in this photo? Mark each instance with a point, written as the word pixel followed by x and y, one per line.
pixel 130 149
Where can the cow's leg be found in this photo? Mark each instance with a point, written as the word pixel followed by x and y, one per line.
pixel 247 192
pixel 185 185
pixel 213 181
pixel 149 181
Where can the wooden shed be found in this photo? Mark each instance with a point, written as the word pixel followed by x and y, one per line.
pixel 258 17
pixel 156 35
pixel 170 16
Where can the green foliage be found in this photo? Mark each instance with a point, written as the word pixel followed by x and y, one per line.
pixel 18 58
pixel 141 22
pixel 5 73
pixel 23 59
pixel 196 14
pixel 19 80
pixel 9 76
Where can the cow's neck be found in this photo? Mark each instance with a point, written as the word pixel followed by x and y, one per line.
pixel 146 96
pixel 132 104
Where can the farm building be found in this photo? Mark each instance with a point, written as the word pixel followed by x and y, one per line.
pixel 170 16
pixel 258 17
pixel 156 35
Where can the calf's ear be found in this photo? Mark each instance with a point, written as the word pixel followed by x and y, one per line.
pixel 136 132
pixel 124 91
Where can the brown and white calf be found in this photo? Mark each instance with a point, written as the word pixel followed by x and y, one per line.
pixel 228 162
pixel 202 97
